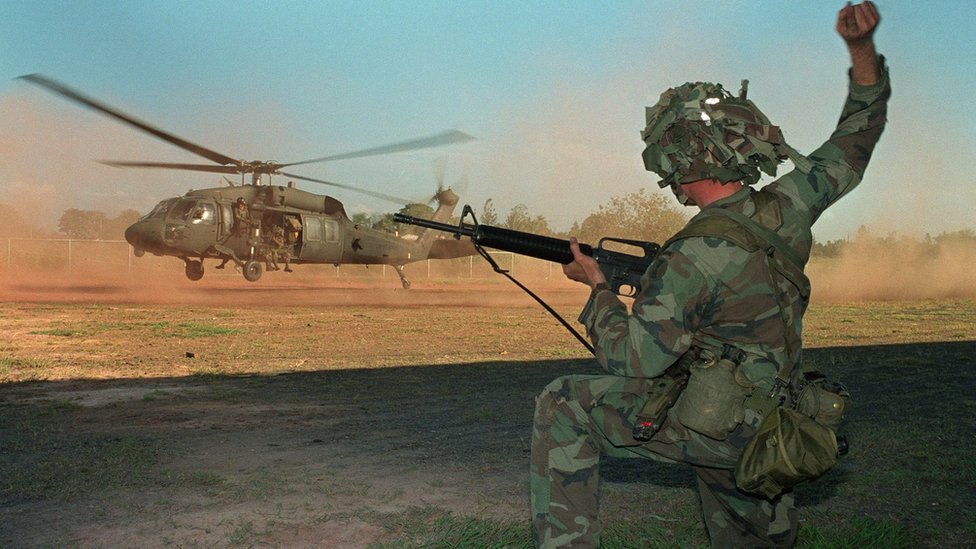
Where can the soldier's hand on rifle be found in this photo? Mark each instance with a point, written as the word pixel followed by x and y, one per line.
pixel 583 268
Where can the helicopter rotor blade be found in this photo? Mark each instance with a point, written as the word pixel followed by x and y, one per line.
pixel 387 197
pixel 438 140
pixel 172 166
pixel 65 91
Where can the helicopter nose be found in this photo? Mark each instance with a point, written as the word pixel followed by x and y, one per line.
pixel 142 236
pixel 132 236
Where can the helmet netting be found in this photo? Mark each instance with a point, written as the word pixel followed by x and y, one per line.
pixel 700 131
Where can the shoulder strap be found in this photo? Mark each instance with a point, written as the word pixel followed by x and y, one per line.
pixel 751 236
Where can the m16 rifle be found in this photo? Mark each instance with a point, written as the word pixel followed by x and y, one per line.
pixel 622 270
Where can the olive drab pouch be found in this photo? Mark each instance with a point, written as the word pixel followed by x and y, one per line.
pixel 712 404
pixel 788 448
pixel 823 400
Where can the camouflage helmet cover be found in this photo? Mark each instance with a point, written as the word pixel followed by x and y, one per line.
pixel 700 131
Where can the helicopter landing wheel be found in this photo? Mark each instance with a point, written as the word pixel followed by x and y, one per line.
pixel 403 277
pixel 253 270
pixel 194 269
pixel 138 252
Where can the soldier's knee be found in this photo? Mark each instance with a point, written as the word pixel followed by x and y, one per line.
pixel 554 397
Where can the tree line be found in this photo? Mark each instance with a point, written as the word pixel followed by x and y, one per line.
pixel 636 215
pixel 74 223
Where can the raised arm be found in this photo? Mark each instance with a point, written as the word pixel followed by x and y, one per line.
pixel 856 25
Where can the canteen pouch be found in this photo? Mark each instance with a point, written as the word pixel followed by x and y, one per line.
pixel 712 403
pixel 823 400
pixel 788 448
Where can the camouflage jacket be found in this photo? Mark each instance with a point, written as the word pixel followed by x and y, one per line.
pixel 708 292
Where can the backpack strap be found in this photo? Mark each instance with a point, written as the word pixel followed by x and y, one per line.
pixel 753 236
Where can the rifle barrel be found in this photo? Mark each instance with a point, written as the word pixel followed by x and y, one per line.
pixel 508 240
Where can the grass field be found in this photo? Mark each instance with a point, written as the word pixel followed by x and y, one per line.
pixel 405 423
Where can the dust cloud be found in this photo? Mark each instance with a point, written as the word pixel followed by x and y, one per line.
pixel 908 269
pixel 95 277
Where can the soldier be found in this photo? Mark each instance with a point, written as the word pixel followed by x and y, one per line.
pixel 279 248
pixel 241 227
pixel 708 299
pixel 242 218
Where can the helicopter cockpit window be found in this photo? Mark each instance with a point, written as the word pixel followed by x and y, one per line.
pixel 182 210
pixel 203 214
pixel 159 211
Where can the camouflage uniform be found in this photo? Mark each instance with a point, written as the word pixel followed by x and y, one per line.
pixel 242 220
pixel 701 293
pixel 277 249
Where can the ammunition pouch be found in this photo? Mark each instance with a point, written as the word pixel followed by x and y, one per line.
pixel 713 403
pixel 662 393
pixel 795 444
pixel 821 399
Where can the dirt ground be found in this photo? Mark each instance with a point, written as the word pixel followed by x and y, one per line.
pixel 165 413
pixel 332 406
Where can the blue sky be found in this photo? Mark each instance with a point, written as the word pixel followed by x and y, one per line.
pixel 554 91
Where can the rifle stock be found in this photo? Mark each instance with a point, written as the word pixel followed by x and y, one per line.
pixel 623 271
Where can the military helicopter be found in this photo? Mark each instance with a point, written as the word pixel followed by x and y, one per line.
pixel 311 228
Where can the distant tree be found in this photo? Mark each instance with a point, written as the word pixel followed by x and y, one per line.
pixel 832 248
pixel 519 219
pixel 965 236
pixel 363 218
pixel 385 223
pixel 114 228
pixel 489 216
pixel 413 210
pixel 82 224
pixel 637 215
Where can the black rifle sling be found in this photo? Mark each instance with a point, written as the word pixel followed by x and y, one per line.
pixel 550 310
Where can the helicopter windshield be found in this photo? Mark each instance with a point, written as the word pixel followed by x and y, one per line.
pixel 181 210
pixel 204 214
pixel 159 211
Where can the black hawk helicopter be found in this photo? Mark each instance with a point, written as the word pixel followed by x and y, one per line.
pixel 310 228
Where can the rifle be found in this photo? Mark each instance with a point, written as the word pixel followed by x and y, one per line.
pixel 623 271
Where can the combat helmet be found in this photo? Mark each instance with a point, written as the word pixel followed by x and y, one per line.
pixel 700 131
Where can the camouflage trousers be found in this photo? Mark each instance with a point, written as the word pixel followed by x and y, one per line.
pixel 579 418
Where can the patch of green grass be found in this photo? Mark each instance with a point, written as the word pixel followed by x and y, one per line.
pixel 10 363
pixel 863 533
pixel 190 329
pixel 60 332
pixel 432 528
pixel 429 527
pixel 67 471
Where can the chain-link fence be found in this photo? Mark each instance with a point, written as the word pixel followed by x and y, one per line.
pixel 54 256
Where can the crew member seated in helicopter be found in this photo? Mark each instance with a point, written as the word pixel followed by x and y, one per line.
pixel 241 227
pixel 242 218
pixel 293 234
pixel 274 247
